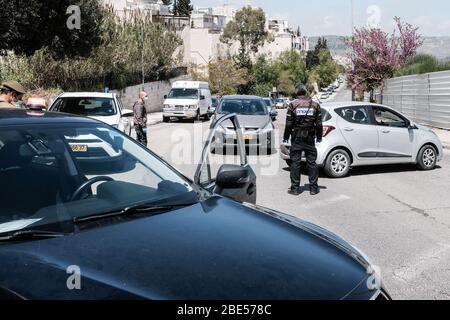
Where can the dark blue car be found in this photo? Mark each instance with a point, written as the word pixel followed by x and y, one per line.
pixel 87 213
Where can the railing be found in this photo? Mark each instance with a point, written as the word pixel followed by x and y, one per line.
pixel 424 98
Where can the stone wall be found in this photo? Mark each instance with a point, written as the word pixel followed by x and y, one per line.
pixel 155 90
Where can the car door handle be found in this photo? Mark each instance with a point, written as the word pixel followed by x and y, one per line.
pixel 386 131
pixel 349 129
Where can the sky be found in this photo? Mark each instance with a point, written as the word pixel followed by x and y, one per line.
pixel 333 17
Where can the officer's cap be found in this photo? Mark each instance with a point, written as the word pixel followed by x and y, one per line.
pixel 13 86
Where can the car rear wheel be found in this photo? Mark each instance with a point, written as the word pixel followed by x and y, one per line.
pixel 427 158
pixel 338 164
pixel 166 119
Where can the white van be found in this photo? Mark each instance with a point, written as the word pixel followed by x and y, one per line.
pixel 187 100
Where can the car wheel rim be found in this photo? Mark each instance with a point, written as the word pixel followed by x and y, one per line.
pixel 429 157
pixel 339 163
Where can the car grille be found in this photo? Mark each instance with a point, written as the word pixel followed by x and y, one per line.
pixel 179 108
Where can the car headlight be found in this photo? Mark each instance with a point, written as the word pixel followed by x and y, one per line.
pixel 192 107
pixel 166 106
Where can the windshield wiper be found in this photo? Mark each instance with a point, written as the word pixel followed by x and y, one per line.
pixel 31 235
pixel 133 210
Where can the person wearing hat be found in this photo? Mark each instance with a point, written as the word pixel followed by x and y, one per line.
pixel 10 92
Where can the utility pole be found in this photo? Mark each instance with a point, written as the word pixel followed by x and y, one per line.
pixel 352 8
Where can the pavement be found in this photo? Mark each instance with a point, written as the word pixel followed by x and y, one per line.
pixel 398 215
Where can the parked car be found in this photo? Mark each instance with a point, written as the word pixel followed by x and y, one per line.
pixel 359 133
pixel 105 107
pixel 270 104
pixel 325 95
pixel 281 103
pixel 254 118
pixel 188 100
pixel 214 104
pixel 145 231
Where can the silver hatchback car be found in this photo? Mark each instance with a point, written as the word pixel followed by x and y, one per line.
pixel 358 134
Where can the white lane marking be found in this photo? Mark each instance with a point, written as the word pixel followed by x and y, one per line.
pixel 424 263
pixel 326 202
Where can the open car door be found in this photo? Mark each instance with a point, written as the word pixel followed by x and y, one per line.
pixel 234 181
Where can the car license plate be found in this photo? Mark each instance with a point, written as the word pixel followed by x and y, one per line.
pixel 79 147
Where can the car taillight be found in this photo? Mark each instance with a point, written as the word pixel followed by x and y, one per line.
pixel 327 130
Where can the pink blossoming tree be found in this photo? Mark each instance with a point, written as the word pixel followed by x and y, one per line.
pixel 377 55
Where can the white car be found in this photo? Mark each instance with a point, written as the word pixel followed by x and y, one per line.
pixel 188 100
pixel 358 134
pixel 105 107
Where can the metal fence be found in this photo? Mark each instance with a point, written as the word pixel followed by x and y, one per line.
pixel 423 98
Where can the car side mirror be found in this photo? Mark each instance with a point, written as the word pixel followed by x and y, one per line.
pixel 202 98
pixel 165 96
pixel 127 113
pixel 232 177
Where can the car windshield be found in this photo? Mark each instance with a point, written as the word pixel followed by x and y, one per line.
pixel 183 93
pixel 243 107
pixel 91 107
pixel 46 174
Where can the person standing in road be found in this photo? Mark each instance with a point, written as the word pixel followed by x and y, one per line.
pixel 304 127
pixel 11 92
pixel 140 118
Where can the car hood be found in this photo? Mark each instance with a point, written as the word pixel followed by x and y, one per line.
pixel 110 120
pixel 217 249
pixel 249 121
pixel 180 102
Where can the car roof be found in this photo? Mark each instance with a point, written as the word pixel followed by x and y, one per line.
pixel 340 104
pixel 86 95
pixel 242 97
pixel 23 116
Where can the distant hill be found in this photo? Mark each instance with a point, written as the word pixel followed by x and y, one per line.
pixel 437 46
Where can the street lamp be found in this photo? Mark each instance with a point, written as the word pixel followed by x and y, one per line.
pixel 352 14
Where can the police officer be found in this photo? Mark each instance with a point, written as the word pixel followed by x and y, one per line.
pixel 11 92
pixel 304 126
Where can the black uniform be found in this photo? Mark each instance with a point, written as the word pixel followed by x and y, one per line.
pixel 304 125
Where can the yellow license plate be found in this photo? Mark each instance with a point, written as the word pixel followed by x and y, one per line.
pixel 248 136
pixel 79 148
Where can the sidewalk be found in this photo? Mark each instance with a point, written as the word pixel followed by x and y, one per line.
pixel 154 118
pixel 444 135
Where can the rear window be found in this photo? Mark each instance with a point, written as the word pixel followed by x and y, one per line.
pixel 91 107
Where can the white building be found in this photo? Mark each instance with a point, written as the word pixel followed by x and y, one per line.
pixel 123 6
pixel 284 38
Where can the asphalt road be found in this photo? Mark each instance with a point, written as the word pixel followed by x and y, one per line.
pixel 398 216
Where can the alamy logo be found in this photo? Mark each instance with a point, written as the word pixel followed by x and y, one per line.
pixel 74 280
pixel 374 280
pixel 374 16
pixel 74 20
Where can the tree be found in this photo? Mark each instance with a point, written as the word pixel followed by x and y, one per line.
pixel 32 25
pixel 312 56
pixel 182 8
pixel 377 55
pixel 286 85
pixel 327 69
pixel 293 62
pixel 223 75
pixel 248 29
